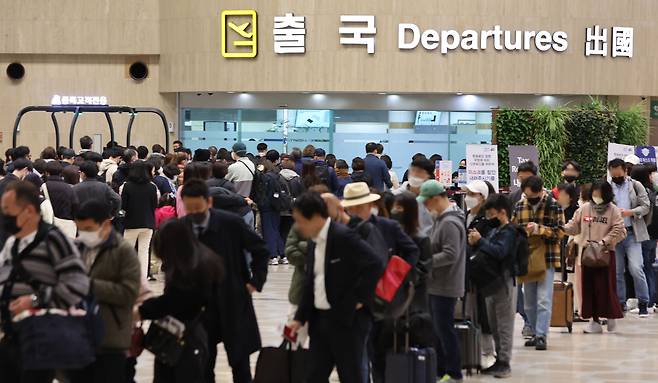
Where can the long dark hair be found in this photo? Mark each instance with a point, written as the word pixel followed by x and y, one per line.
pixel 139 172
pixel 309 177
pixel 642 173
pixel 409 217
pixel 186 261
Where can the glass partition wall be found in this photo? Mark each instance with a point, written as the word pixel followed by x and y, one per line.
pixel 342 132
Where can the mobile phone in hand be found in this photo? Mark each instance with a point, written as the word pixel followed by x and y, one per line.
pixel 288 334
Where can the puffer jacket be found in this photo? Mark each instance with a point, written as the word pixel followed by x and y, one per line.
pixel 296 248
pixel 115 282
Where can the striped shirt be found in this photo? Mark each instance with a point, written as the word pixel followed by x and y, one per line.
pixel 53 268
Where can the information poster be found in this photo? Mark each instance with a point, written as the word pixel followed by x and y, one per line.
pixel 646 153
pixel 519 154
pixel 461 181
pixel 619 151
pixel 482 164
pixel 445 173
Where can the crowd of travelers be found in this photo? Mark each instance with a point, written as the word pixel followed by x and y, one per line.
pixel 83 233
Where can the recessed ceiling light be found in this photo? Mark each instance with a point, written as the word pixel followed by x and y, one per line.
pixel 381 92
pixel 460 94
pixel 230 92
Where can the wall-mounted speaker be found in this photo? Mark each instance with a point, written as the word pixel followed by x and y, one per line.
pixel 15 71
pixel 138 71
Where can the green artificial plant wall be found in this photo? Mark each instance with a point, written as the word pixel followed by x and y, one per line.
pixel 591 130
pixel 551 136
pixel 513 127
pixel 632 126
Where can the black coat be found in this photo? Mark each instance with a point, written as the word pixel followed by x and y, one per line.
pixel 398 242
pixel 139 200
pixel 351 272
pixel 232 319
pixel 62 197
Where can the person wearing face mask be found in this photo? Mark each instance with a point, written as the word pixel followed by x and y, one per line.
pixel 476 193
pixel 230 318
pixel 599 221
pixel 139 199
pixel 567 197
pixel 241 173
pixel 420 170
pixel 52 275
pixel 542 217
pixel 632 199
pixel 114 273
pixel 446 280
pixel 646 174
pixel 499 244
pixel 360 203
pixel 570 173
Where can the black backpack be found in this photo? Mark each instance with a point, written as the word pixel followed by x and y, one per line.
pixel 258 185
pixel 322 171
pixel 522 253
pixel 282 198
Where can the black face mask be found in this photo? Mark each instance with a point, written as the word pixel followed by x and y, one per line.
pixel 534 201
pixel 494 222
pixel 462 167
pixel 570 179
pixel 619 180
pixel 396 216
pixel 9 224
pixel 197 218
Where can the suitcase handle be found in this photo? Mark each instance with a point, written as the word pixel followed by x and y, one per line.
pixel 406 335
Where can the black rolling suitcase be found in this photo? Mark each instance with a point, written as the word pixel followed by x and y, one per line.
pixel 468 334
pixel 412 365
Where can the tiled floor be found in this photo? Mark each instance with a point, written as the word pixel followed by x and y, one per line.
pixel 630 355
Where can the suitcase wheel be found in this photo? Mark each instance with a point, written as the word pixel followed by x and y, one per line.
pixel 570 328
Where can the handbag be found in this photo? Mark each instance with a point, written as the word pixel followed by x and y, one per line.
pixel 282 364
pixel 50 339
pixel 595 255
pixel 136 342
pixel 536 261
pixel 394 291
pixel 166 338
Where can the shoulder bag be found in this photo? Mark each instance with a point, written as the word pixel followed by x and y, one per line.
pixel 595 255
pixel 166 338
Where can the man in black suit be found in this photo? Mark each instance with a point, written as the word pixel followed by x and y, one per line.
pixel 230 318
pixel 341 276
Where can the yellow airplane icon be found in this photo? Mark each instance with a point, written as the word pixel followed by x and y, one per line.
pixel 248 39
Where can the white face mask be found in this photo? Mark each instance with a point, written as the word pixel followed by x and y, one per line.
pixel 415 182
pixel 471 201
pixel 597 200
pixel 90 239
pixel 374 211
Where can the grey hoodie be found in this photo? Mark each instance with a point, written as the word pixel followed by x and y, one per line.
pixel 448 237
pixel 288 174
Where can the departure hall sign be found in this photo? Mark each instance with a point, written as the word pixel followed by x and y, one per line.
pixel 240 37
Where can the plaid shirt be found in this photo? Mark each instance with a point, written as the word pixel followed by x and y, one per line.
pixel 550 219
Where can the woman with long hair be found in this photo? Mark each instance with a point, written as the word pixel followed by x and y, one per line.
pixel 405 211
pixel 599 221
pixel 139 199
pixel 309 176
pixel 192 273
pixel 567 197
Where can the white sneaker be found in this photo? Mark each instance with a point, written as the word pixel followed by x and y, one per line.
pixel 284 261
pixel 274 261
pixel 632 304
pixel 593 328
pixel 612 325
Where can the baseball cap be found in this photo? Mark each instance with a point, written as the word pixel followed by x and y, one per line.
pixel 429 189
pixel 478 186
pixel 240 149
pixel 632 159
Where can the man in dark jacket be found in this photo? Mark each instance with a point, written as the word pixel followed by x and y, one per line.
pixel 62 197
pixel 339 286
pixel 91 188
pixel 500 245
pixel 376 168
pixel 361 205
pixel 114 273
pixel 121 175
pixel 219 172
pixel 325 172
pixel 231 319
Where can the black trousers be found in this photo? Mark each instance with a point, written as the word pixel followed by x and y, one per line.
pixel 334 344
pixel 11 367
pixel 108 368
pixel 241 370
